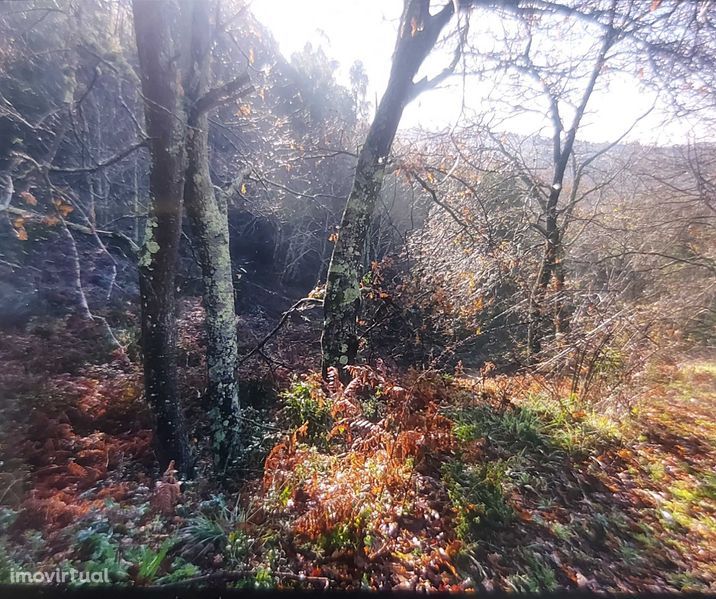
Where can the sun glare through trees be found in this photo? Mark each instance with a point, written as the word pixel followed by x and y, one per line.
pixel 358 295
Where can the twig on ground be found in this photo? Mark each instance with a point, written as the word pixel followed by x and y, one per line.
pixel 235 575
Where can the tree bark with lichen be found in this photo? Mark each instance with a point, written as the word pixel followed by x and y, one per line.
pixel 417 34
pixel 210 231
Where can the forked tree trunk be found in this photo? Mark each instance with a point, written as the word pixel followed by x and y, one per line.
pixel 417 35
pixel 166 128
pixel 545 320
pixel 210 230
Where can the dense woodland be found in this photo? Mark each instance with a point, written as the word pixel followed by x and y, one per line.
pixel 254 333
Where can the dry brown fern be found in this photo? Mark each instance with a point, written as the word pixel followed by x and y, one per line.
pixel 167 491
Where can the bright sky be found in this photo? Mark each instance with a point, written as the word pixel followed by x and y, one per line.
pixel 365 30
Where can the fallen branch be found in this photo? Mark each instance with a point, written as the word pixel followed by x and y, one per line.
pixel 286 314
pixel 236 575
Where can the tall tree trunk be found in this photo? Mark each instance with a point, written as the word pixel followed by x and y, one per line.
pixel 166 126
pixel 541 323
pixel 210 228
pixel 417 35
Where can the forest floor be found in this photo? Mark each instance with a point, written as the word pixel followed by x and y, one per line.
pixel 417 480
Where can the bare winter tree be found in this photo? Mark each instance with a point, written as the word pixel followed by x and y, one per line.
pixel 563 137
pixel 564 85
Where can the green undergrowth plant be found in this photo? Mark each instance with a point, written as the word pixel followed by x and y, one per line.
pixel 539 424
pixel 259 436
pixel 98 548
pixel 572 426
pixel 7 517
pixel 343 536
pixel 373 406
pixel 687 582
pixel 478 496
pixel 536 575
pixel 179 570
pixel 261 579
pixel 217 528
pixel 148 561
pixel 514 427
pixel 305 404
pixel 688 506
pixel 7 564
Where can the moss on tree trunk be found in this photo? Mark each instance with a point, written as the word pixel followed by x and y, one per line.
pixel 417 34
pixel 210 231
